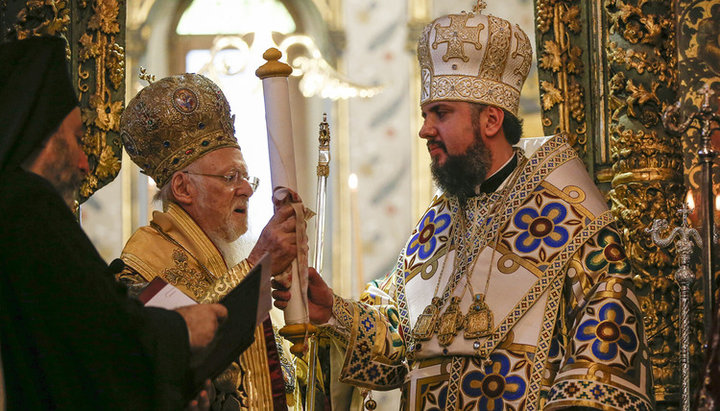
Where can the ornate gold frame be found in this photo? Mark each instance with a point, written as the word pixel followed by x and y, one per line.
pixel 95 34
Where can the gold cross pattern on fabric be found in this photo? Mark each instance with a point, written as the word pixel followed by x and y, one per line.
pixel 456 35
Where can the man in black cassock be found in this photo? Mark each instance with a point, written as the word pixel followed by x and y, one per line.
pixel 69 336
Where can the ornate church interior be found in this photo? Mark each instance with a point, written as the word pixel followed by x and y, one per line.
pixel 632 84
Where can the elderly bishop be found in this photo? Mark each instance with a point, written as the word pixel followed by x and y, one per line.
pixel 180 132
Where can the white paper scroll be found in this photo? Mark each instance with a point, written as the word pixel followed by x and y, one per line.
pixel 282 170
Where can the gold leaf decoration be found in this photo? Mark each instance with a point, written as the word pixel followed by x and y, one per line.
pixel 41 18
pixel 561 40
pixel 639 95
pixel 626 11
pixel 574 63
pixel 107 113
pixel 89 49
pixel 552 56
pixel 571 18
pixel 89 186
pixel 109 164
pixel 105 17
pixel 653 30
pixel 551 95
pixel 633 32
pixel 100 75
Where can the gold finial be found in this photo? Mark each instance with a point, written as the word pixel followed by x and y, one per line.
pixel 479 6
pixel 323 168
pixel 145 76
pixel 273 67
pixel 324 131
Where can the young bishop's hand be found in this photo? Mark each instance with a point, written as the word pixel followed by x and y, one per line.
pixel 280 238
pixel 320 296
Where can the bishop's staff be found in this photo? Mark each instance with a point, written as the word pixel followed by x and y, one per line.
pixel 274 76
pixel 323 170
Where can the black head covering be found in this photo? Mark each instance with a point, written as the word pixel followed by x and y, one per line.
pixel 36 94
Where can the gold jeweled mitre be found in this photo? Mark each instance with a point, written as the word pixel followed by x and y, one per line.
pixel 475 58
pixel 173 122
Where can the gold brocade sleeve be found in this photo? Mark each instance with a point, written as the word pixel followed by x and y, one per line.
pixel 223 285
pixel 132 280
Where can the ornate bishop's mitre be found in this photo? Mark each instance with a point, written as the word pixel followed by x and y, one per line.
pixel 173 122
pixel 475 58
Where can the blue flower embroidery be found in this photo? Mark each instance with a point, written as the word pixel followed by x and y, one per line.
pixel 541 228
pixel 425 241
pixel 494 386
pixel 612 253
pixel 609 333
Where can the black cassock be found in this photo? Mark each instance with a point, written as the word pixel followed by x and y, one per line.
pixel 70 337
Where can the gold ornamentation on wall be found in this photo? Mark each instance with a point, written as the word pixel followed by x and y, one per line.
pixel 699 63
pixel 93 30
pixel 561 64
pixel 647 179
pixel 100 59
pixel 41 18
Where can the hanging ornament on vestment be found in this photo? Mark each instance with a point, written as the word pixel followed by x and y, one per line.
pixel 427 321
pixel 479 319
pixel 450 322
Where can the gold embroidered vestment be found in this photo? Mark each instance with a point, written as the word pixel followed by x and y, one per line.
pixel 175 248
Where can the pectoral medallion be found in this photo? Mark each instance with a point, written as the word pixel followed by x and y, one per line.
pixel 427 321
pixel 479 319
pixel 450 322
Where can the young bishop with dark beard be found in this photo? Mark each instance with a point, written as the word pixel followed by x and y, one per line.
pixel 513 291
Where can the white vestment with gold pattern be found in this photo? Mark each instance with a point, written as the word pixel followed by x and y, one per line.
pixel 567 328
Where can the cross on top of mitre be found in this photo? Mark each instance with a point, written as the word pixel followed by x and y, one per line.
pixel 456 34
pixel 479 6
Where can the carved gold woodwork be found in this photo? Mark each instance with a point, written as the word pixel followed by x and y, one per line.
pixel 647 179
pixel 698 63
pixel 561 66
pixel 612 115
pixel 97 57
pixel 100 63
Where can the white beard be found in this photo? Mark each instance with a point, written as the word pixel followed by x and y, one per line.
pixel 235 251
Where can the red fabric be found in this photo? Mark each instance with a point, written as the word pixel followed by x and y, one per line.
pixel 277 382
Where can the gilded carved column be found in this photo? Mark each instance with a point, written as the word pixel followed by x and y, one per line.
pixel 607 70
pixel 698 38
pixel 94 30
pixel 647 166
pixel 563 58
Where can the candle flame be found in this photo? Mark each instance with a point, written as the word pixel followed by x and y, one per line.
pixel 690 201
pixel 353 181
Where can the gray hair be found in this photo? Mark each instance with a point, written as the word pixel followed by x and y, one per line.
pixel 165 195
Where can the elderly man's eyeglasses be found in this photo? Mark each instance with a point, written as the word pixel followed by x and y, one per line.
pixel 232 179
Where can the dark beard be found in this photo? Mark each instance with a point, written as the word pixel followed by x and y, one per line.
pixel 462 173
pixel 66 178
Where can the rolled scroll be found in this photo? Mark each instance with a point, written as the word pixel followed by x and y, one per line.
pixel 274 76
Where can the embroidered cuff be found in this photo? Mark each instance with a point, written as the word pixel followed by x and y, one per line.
pixel 342 312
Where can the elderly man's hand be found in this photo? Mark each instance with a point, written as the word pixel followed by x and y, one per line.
pixel 202 322
pixel 320 296
pixel 280 239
